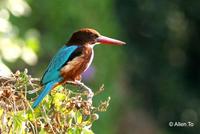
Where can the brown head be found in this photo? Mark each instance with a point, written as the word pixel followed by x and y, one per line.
pixel 90 36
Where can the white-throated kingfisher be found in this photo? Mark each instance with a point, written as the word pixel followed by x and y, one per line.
pixel 72 60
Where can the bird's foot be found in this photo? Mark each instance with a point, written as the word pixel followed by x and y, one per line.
pixel 90 94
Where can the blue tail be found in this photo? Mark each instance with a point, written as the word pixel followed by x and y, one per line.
pixel 44 92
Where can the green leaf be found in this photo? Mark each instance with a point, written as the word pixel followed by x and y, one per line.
pixel 1 112
pixel 75 130
pixel 42 131
pixel 78 117
pixel 60 96
pixel 19 120
pixel 87 131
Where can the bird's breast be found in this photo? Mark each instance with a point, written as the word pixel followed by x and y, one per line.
pixel 90 59
pixel 78 64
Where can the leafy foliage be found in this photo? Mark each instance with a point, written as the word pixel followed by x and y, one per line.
pixel 63 111
pixel 12 46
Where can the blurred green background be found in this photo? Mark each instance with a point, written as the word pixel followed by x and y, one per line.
pixel 152 80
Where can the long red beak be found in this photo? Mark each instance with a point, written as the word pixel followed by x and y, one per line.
pixel 107 40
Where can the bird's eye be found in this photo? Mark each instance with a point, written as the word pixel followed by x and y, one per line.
pixel 93 42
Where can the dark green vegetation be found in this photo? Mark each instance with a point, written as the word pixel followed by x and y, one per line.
pixel 163 60
pixel 153 80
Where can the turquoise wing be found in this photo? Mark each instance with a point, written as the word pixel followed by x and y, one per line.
pixel 52 72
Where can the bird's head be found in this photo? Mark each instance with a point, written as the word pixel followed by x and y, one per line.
pixel 87 36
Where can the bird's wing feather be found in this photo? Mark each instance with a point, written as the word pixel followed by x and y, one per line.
pixel 44 92
pixel 53 70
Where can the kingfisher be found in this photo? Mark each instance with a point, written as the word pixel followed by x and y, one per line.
pixel 72 60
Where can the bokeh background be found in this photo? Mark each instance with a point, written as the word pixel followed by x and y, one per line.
pixel 152 80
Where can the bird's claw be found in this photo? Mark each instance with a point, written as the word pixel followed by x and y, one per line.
pixel 89 91
pixel 90 94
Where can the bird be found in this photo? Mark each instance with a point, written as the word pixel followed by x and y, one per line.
pixel 72 60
